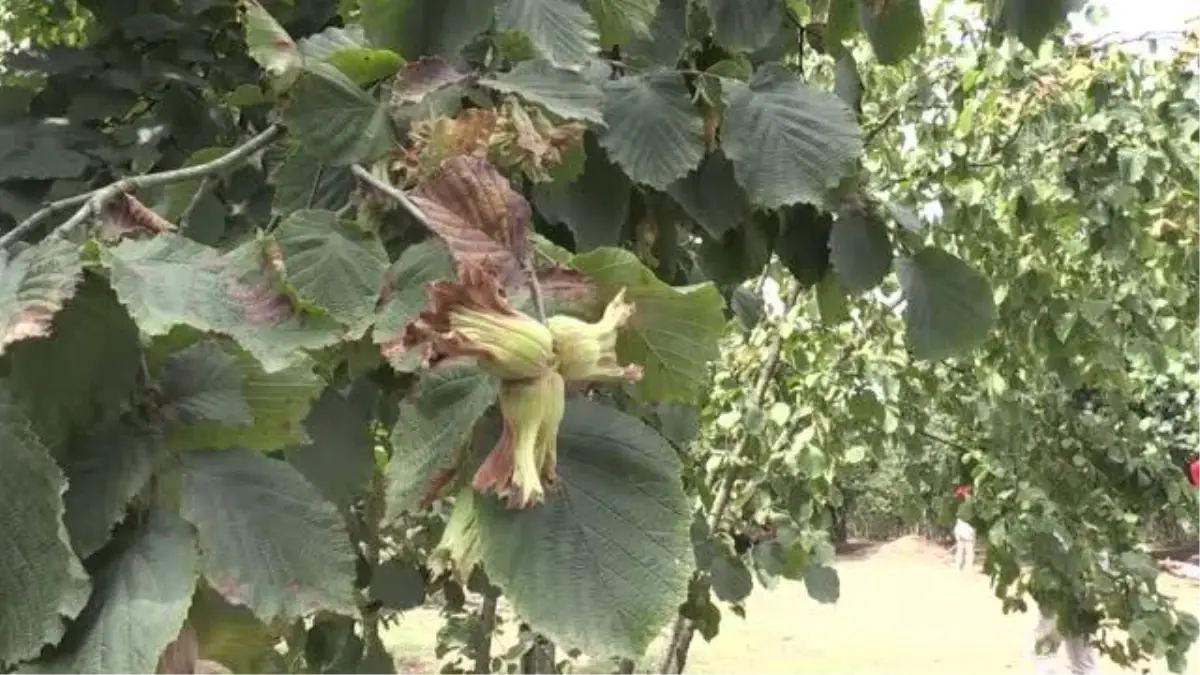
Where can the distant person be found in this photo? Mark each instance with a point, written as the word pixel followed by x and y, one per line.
pixel 964 533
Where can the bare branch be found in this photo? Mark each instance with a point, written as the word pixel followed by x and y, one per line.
pixel 391 191
pixel 94 202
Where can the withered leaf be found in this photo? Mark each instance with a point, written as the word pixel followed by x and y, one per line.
pixel 423 77
pixel 474 209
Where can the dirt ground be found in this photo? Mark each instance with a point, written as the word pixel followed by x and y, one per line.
pixel 904 608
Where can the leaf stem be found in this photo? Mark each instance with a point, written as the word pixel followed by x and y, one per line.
pixel 94 202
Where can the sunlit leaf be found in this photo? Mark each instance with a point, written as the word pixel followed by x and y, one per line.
pixel 674 330
pixel 279 402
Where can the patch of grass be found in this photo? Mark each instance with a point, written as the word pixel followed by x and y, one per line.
pixel 898 613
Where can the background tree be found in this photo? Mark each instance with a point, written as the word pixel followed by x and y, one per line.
pixel 273 276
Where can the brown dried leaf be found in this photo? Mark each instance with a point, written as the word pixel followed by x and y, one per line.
pixel 34 285
pixel 181 656
pixel 474 209
pixel 476 289
pixel 570 291
pixel 421 78
pixel 125 215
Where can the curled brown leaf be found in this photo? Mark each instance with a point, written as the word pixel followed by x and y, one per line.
pixel 474 209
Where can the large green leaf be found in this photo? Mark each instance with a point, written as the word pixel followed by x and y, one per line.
pixel 674 331
pixel 416 28
pixel 948 305
pixel 895 28
pixel 710 194
pixel 302 181
pixel 1031 20
pixel 41 580
pixel 789 143
pixel 822 583
pixel 405 296
pixel 104 471
pixel 169 281
pixel 560 30
pixel 595 206
pixel 268 539
pixel 340 455
pixel 139 605
pixel 654 132
pixel 745 25
pixel 740 254
pixel 803 243
pixel 563 92
pixel 603 563
pixel 859 249
pixel 334 119
pixel 432 426
pixel 34 284
pixel 72 380
pixel 622 20
pixel 333 264
pixel 668 35
pixel 232 635
pixel 202 383
pixel 279 402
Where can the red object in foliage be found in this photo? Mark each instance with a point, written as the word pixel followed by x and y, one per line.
pixel 1194 472
pixel 962 491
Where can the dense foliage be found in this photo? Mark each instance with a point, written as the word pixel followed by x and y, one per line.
pixel 311 309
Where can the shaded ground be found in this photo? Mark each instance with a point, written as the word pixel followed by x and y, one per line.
pixel 903 609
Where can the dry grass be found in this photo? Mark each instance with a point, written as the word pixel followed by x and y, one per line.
pixel 903 609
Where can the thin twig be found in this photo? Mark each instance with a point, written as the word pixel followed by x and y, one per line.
pixel 535 293
pixel 391 191
pixel 195 201
pixel 94 202
pixel 681 632
pixel 487 624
